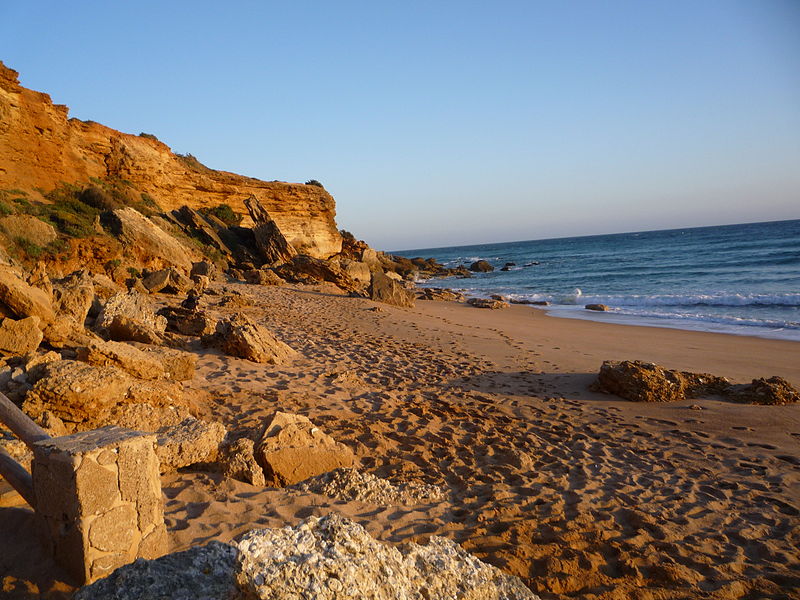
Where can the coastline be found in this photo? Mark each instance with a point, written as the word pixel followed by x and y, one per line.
pixel 581 494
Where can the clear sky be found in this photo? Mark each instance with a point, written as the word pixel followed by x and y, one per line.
pixel 442 123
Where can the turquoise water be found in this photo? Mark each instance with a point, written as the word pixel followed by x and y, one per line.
pixel 742 279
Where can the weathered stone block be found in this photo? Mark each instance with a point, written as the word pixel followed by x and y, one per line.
pixel 98 500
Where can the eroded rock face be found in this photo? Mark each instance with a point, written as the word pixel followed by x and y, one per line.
pixel 153 247
pixel 647 382
pixel 293 449
pixel 239 336
pixel 386 290
pixel 332 558
pixel 597 307
pixel 274 247
pixel 74 150
pixel 86 396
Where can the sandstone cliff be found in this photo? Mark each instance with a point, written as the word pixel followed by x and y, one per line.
pixel 40 147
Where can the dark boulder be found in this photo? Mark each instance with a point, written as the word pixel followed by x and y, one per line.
pixel 481 266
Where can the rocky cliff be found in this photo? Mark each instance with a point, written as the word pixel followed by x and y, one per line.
pixel 40 148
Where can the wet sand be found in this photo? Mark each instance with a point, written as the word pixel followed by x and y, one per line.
pixel 582 495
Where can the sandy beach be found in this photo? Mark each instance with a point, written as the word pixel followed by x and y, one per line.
pixel 580 494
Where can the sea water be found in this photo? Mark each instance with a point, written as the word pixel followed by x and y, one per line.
pixel 741 279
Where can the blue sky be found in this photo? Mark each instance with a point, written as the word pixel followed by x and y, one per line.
pixel 442 123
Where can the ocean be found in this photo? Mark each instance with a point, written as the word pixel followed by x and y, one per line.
pixel 738 279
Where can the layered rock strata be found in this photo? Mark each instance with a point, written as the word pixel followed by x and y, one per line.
pixel 41 147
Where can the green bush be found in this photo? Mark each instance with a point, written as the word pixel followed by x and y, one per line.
pixel 224 213
pixel 29 249
pixel 315 182
pixel 148 136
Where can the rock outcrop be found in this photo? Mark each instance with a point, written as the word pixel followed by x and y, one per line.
pixel 238 461
pixel 40 147
pixel 774 391
pixel 292 449
pixel 274 247
pixel 490 303
pixel 647 382
pixel 153 247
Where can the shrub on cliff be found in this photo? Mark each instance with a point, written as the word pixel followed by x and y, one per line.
pixel 224 213
pixel 315 183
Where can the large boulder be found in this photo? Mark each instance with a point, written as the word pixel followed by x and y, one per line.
pixel 333 558
pixel 389 291
pixel 238 461
pixel 190 442
pixel 274 247
pixel 124 356
pixel 152 247
pixel 18 338
pixel 132 306
pixel 77 392
pixel 178 365
pixel 356 270
pixel 167 281
pixel 188 322
pixel 262 277
pixel 306 269
pixel 481 266
pixel 18 299
pixel 647 382
pixel 292 449
pixel 239 336
pixel 327 558
pixel 73 297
